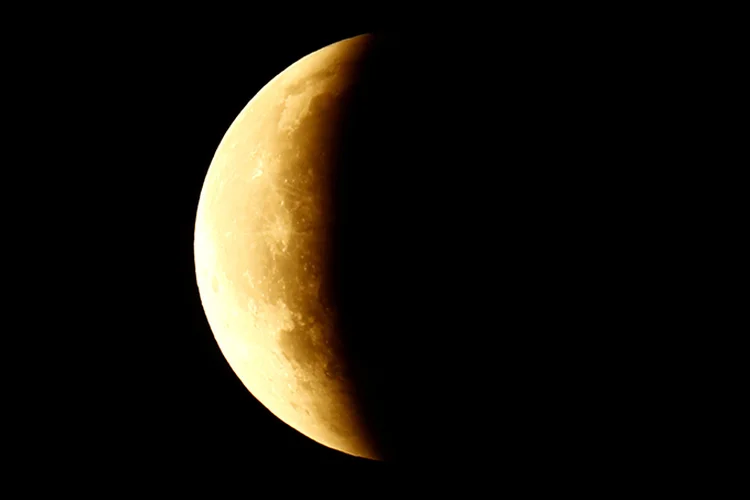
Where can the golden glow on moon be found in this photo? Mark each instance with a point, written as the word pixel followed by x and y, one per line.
pixel 260 243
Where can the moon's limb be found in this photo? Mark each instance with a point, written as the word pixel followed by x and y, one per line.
pixel 260 249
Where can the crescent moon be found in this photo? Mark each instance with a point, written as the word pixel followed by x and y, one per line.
pixel 260 249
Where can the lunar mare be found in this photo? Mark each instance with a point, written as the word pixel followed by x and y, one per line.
pixel 260 249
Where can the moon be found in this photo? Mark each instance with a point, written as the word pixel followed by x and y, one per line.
pixel 261 243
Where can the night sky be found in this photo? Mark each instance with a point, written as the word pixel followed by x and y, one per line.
pixel 513 289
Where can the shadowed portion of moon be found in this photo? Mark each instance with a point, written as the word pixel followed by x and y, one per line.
pixel 399 216
pixel 399 257
pixel 476 200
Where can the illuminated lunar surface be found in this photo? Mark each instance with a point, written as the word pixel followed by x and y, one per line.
pixel 260 249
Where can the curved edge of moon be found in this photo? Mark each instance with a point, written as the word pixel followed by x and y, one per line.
pixel 259 250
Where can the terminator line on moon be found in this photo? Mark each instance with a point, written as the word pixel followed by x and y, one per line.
pixel 260 249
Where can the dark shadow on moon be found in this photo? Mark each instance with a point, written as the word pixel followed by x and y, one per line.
pixel 467 197
pixel 381 261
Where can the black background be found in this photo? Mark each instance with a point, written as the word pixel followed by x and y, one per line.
pixel 535 231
